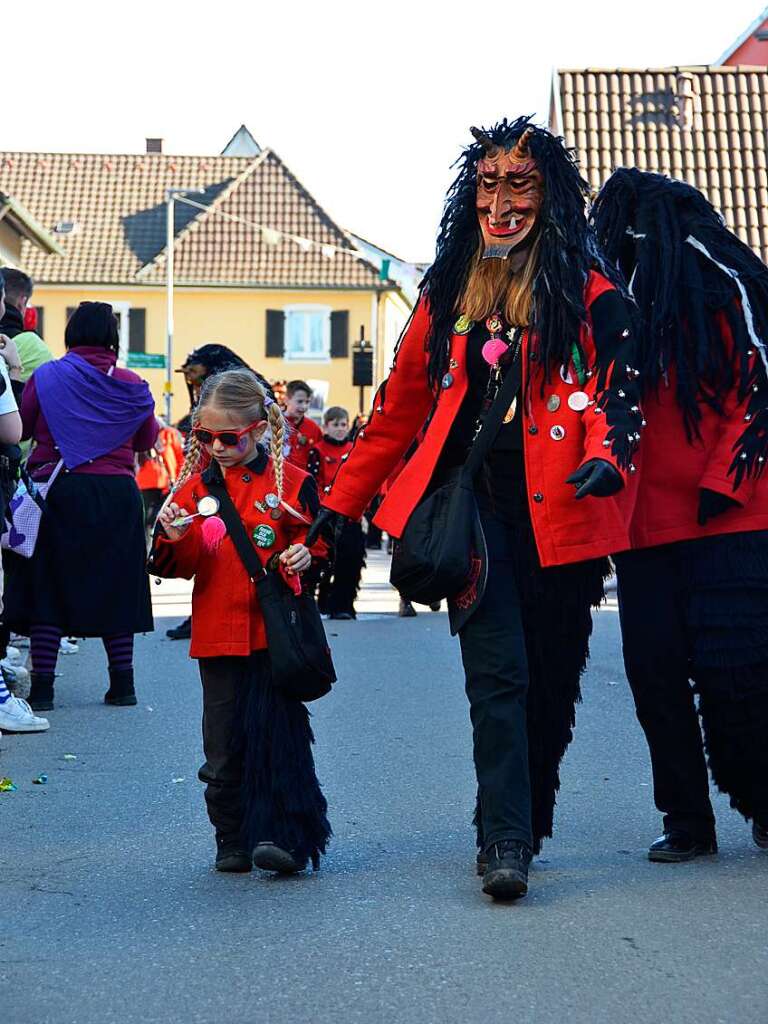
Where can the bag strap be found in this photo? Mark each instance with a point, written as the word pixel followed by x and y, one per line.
pixel 492 423
pixel 236 530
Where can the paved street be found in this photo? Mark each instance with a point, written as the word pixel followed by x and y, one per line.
pixel 110 910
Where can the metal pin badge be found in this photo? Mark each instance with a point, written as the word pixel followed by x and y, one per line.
pixel 272 500
pixel 553 403
pixel 264 536
pixel 447 380
pixel 557 433
pixel 565 374
pixel 578 401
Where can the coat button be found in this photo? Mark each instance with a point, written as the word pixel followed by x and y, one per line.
pixel 327 490
pixel 447 380
pixel 533 429
pixel 246 478
pixel 538 497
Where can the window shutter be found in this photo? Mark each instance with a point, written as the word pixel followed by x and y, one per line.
pixel 40 322
pixel 137 330
pixel 340 334
pixel 275 333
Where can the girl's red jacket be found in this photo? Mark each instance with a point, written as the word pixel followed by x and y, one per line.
pixel 226 618
pixel 557 438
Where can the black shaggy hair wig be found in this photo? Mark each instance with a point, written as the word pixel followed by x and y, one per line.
pixel 566 253
pixel 686 272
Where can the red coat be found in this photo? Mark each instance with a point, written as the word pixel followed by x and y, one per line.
pixel 673 469
pixel 301 437
pixel 325 457
pixel 226 618
pixel 566 530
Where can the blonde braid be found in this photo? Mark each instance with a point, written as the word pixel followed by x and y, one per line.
pixel 277 430
pixel 192 459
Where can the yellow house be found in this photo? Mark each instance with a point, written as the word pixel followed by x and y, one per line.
pixel 258 264
pixel 18 226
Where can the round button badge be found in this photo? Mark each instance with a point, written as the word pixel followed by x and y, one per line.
pixel 578 401
pixel 553 403
pixel 264 536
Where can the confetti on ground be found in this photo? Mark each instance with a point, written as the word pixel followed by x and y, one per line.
pixel 40 780
pixel 179 779
pixel 7 786
pixel 70 757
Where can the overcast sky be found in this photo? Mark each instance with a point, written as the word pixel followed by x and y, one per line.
pixel 367 102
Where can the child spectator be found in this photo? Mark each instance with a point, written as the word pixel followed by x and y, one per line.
pixel 338 587
pixel 158 469
pixel 304 432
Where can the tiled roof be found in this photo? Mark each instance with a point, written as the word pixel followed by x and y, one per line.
pixel 705 125
pixel 117 206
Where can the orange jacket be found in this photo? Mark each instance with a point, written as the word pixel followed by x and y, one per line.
pixel 557 439
pixel 162 465
pixel 226 618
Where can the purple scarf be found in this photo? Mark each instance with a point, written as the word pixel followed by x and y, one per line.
pixel 88 412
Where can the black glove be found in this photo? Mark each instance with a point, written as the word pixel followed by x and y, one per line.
pixel 597 477
pixel 712 503
pixel 329 524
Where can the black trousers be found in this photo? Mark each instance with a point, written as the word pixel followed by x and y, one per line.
pixel 496 671
pixel 339 586
pixel 694 620
pixel 259 771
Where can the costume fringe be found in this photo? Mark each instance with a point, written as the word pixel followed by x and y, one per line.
pixel 284 803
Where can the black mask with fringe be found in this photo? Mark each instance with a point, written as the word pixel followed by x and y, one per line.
pixel 566 251
pixel 687 271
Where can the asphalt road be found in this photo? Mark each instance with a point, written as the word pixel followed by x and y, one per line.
pixel 110 910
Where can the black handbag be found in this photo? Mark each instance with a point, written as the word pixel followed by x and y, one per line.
pixel 442 553
pixel 301 660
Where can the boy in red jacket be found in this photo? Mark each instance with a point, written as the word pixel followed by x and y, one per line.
pixel 303 432
pixel 693 593
pixel 339 586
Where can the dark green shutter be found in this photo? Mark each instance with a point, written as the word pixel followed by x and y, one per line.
pixel 275 333
pixel 137 330
pixel 340 334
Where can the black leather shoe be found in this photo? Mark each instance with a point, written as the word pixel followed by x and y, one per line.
pixel 231 857
pixel 181 632
pixel 506 876
pixel 121 693
pixel 269 857
pixel 760 835
pixel 675 846
pixel 406 610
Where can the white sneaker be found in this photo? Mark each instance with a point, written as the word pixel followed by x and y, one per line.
pixel 17 716
pixel 14 655
pixel 14 674
pixel 67 647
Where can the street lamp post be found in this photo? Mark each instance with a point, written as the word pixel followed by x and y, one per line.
pixel 170 196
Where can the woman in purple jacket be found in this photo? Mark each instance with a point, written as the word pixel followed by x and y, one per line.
pixel 87 577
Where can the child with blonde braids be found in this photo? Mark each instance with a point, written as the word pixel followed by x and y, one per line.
pixel 262 794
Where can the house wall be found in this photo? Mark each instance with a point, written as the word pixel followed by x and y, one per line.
pixel 10 246
pixel 752 51
pixel 236 318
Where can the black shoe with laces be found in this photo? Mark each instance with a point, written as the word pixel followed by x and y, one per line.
pixel 676 846
pixel 760 834
pixel 506 874
pixel 181 632
pixel 270 857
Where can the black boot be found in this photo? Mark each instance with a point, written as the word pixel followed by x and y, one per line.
pixel 181 632
pixel 506 876
pixel 676 846
pixel 121 692
pixel 230 855
pixel 41 691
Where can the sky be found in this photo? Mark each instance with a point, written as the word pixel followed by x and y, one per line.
pixel 368 103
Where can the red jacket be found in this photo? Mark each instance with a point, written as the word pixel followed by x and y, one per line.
pixel 555 442
pixel 674 469
pixel 226 618
pixel 325 457
pixel 301 437
pixel 160 467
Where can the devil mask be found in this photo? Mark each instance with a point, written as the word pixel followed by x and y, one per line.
pixel 510 192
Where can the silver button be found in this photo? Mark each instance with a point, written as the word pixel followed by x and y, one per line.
pixel 327 490
pixel 538 497
pixel 447 380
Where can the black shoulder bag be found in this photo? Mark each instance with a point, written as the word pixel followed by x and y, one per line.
pixel 442 547
pixel 298 649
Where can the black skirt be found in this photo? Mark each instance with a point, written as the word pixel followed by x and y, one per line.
pixel 88 574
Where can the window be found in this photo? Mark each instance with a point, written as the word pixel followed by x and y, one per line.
pixel 308 333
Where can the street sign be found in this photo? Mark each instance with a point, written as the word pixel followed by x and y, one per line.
pixel 146 360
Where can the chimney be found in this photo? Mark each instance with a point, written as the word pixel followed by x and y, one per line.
pixel 154 145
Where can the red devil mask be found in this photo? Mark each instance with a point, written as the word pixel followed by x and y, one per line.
pixel 510 191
